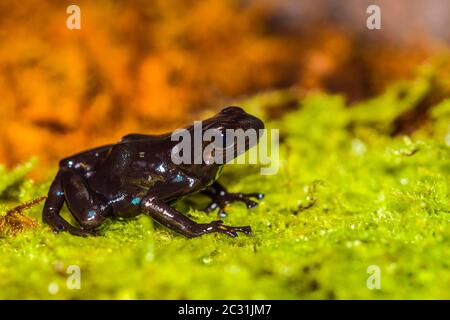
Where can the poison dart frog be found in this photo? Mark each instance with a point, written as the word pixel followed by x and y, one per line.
pixel 137 176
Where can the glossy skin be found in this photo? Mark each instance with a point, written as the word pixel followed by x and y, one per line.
pixel 137 176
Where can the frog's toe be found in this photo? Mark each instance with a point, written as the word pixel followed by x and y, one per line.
pixel 217 205
pixel 58 229
pixel 211 207
pixel 251 204
pixel 75 231
pixel 257 195
pixel 93 233
pixel 247 198
pixel 247 230
pixel 222 213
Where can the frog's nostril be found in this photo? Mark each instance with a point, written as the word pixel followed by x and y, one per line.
pixel 232 109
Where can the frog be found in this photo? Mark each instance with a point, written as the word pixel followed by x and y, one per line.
pixel 137 175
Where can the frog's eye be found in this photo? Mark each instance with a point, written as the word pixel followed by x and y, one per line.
pixel 223 139
pixel 227 140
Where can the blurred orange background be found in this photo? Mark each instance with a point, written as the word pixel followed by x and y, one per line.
pixel 152 66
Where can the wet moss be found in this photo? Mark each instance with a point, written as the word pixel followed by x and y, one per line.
pixel 381 201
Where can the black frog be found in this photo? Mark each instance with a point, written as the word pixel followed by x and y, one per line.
pixel 137 176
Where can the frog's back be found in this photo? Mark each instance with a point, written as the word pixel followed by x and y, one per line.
pixel 134 137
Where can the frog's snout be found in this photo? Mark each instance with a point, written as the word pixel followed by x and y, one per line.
pixel 239 119
pixel 232 110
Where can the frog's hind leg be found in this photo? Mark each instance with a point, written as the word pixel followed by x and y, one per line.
pixel 89 208
pixel 86 161
pixel 52 207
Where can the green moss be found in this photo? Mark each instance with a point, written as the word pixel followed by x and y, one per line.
pixel 343 200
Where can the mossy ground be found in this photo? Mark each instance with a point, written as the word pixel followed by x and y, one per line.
pixel 347 196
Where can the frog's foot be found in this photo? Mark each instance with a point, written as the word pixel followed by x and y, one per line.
pixel 222 199
pixel 218 226
pixel 75 231
pixel 59 224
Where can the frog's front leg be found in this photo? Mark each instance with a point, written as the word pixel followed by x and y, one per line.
pixel 171 218
pixel 220 198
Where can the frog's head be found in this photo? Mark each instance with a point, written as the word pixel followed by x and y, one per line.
pixel 204 147
pixel 230 133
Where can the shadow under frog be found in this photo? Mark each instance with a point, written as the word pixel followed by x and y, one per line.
pixel 137 176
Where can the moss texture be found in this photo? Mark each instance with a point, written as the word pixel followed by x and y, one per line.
pixel 348 195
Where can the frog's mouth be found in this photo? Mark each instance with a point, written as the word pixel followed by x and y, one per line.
pixel 228 152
